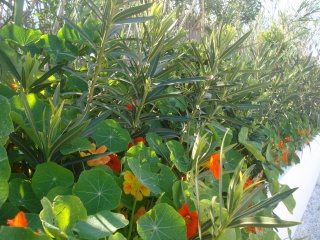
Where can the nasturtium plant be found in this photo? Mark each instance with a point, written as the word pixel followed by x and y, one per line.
pixel 160 223
pixel 100 225
pixel 5 120
pixel 177 156
pixel 97 190
pixel 4 175
pixel 144 164
pixel 21 195
pixel 115 125
pixel 21 233
pixel 48 176
pixel 112 135
pixel 21 36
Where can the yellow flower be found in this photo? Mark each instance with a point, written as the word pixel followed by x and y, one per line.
pixel 131 185
pixel 96 161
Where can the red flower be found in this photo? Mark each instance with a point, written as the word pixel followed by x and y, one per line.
pixel 136 141
pixel 280 145
pixel 129 106
pixel 287 139
pixel 139 139
pixel 19 220
pixel 214 165
pixel 191 219
pixel 114 163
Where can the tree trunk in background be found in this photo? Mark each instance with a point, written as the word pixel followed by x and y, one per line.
pixel 201 3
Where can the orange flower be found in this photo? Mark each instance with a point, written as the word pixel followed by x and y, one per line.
pixel 308 131
pixel 214 165
pixel 141 211
pixel 114 163
pixel 131 185
pixel 287 139
pixel 247 183
pixel 285 156
pixel 129 106
pixel 252 229
pixel 19 220
pixel 280 145
pixel 96 161
pixel 14 86
pixel 191 219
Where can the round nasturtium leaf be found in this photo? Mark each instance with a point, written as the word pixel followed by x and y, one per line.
pixel 22 195
pixel 49 175
pixel 48 219
pixel 117 236
pixel 58 191
pixel 162 222
pixel 97 190
pixel 19 35
pixel 21 234
pixel 4 191
pixel 177 155
pixel 4 175
pixel 7 211
pixel 5 121
pixel 100 225
pixel 112 135
pixel 34 222
pixel 68 210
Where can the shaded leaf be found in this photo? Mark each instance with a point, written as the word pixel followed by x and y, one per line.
pixel 49 175
pixel 97 190
pixel 22 195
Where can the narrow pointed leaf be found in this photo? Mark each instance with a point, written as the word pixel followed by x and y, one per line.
pixel 265 222
pixel 130 12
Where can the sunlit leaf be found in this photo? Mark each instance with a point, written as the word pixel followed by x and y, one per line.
pixel 161 223
pixel 100 225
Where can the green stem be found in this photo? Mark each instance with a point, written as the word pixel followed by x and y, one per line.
pixel 194 111
pixel 18 12
pixel 132 213
pixel 100 60
pixel 220 179
pixel 146 89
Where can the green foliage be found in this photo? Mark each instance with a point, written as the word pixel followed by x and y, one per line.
pixel 5 121
pixel 97 190
pixel 100 225
pixel 4 175
pixel 48 176
pixel 162 222
pixel 123 77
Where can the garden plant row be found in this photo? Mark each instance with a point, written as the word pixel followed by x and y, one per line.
pixel 119 127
